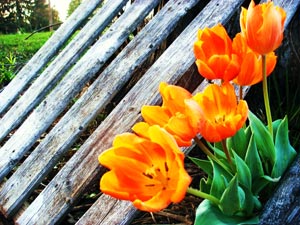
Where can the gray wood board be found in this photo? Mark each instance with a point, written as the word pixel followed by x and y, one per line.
pixel 83 167
pixel 45 53
pixel 56 101
pixel 99 94
pixel 58 67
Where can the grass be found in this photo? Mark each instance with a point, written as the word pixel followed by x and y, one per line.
pixel 16 50
pixel 20 47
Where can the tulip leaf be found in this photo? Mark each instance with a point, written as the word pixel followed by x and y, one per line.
pixel 243 172
pixel 231 197
pixel 285 153
pixel 253 160
pixel 219 181
pixel 249 202
pixel 208 214
pixel 260 183
pixel 275 125
pixel 248 133
pixel 218 145
pixel 263 140
pixel 238 143
pixel 218 150
pixel 205 165
pixel 205 185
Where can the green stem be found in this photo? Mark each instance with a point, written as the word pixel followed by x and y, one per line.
pixel 206 150
pixel 210 154
pixel 266 95
pixel 225 149
pixel 201 194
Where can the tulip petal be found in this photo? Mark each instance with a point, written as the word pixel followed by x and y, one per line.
pixel 221 115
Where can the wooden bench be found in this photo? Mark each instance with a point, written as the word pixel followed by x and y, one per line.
pixel 41 120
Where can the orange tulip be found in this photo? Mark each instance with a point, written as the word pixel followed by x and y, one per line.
pixel 251 62
pixel 213 52
pixel 148 172
pixel 263 25
pixel 177 114
pixel 221 115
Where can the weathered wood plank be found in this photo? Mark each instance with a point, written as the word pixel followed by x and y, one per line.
pixel 82 168
pixel 87 67
pixel 98 215
pixel 284 206
pixel 35 167
pixel 46 52
pixel 290 6
pixel 53 73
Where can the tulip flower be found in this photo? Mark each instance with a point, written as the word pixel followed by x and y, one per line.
pixel 148 172
pixel 221 115
pixel 263 26
pixel 214 56
pixel 251 63
pixel 178 114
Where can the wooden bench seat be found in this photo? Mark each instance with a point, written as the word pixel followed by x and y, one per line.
pixel 43 121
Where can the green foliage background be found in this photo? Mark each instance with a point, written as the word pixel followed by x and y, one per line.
pixel 16 50
pixel 21 16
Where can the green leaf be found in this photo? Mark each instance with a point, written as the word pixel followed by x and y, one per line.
pixel 243 172
pixel 249 202
pixel 220 180
pixel 205 185
pixel 218 150
pixel 209 214
pixel 205 165
pixel 275 125
pixel 230 202
pixel 285 153
pixel 248 133
pixel 218 145
pixel 263 140
pixel 238 143
pixel 260 183
pixel 253 160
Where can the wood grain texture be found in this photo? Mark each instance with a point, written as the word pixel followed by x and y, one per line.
pixel 83 167
pixel 45 53
pixel 36 166
pixel 98 215
pixel 54 72
pixel 284 206
pixel 87 67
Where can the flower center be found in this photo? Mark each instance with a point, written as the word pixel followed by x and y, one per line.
pixel 158 176
pixel 220 119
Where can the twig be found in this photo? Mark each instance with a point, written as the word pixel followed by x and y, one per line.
pixel 38 30
pixel 174 216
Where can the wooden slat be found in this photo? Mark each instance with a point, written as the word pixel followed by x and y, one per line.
pixel 36 166
pixel 82 168
pixel 70 54
pixel 46 52
pixel 91 215
pixel 98 215
pixel 87 67
pixel 284 206
pixel 290 6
